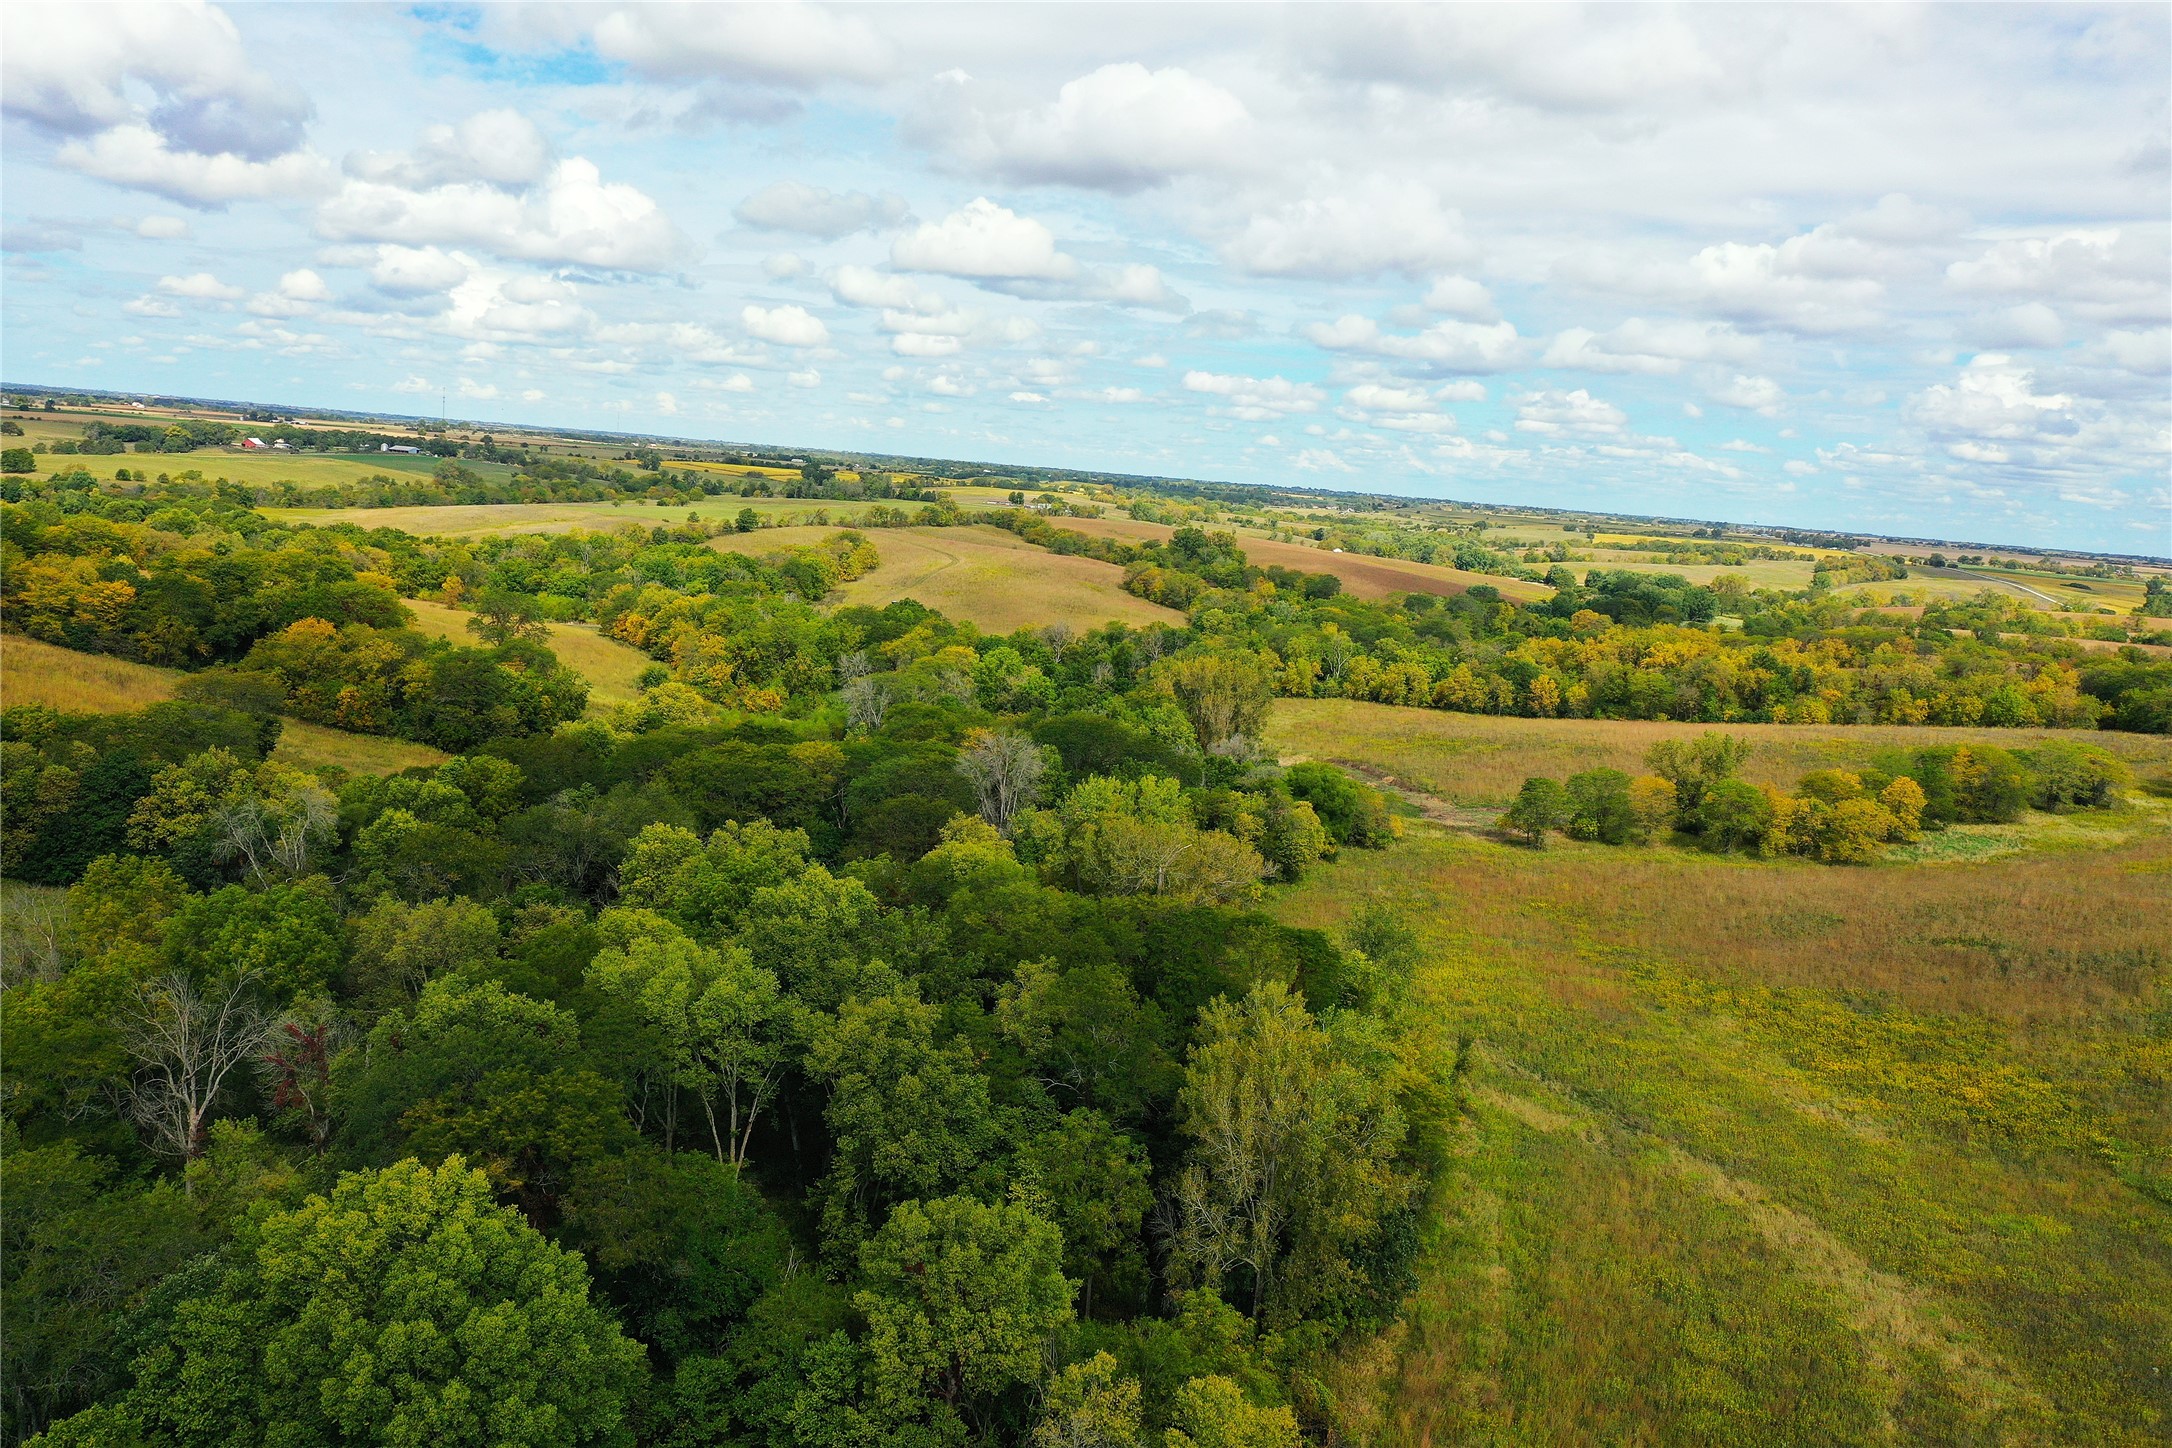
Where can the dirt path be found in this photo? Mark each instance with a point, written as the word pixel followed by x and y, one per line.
pixel 1469 819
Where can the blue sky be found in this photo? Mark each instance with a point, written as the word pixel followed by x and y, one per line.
pixel 1895 269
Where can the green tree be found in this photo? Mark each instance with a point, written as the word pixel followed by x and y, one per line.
pixel 18 460
pixel 1096 1182
pixel 1213 1412
pixel 503 615
pixel 1693 766
pixel 404 1308
pixel 1600 807
pixel 1225 698
pixel 1089 1405
pixel 960 1302
pixel 1733 815
pixel 1541 806
pixel 400 948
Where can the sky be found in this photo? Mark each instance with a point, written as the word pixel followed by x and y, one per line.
pixel 1899 269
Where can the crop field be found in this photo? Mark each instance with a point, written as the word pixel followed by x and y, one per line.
pixel 612 669
pixel 77 683
pixel 1783 1153
pixel 1759 573
pixel 1481 759
pixel 985 575
pixel 1362 574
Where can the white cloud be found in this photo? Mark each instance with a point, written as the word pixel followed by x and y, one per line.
pixel 1120 128
pixel 1119 394
pixel 792 45
pixel 161 228
pixel 1028 397
pixel 787 326
pixel 1554 414
pixel 984 241
pixel 2108 275
pixel 1993 398
pixel 2030 324
pixel 859 286
pixel 1256 399
pixel 138 156
pixel 1381 226
pixel 666 403
pixel 1461 297
pixel 817 211
pixel 1772 285
pixel 410 271
pixel 500 147
pixel 737 382
pixel 1451 346
pixel 572 216
pixel 1657 348
pixel 199 286
pixel 808 378
pixel 1373 397
pixel 1754 394
pixel 151 307
pixel 297 293
pixel 414 383
pixel 925 345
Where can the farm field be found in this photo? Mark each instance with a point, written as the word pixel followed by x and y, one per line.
pixel 1482 759
pixel 981 574
pixel 1781 1153
pixel 1363 575
pixel 32 672
pixel 1759 573
pixel 612 669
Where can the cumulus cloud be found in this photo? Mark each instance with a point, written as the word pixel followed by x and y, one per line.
pixel 859 286
pixel 570 216
pixel 1256 399
pixel 298 293
pixel 414 271
pixel 1461 297
pixel 795 206
pixel 1657 348
pixel 1119 128
pixel 786 45
pixel 1558 414
pixel 787 326
pixel 1751 393
pixel 1992 400
pixel 2115 274
pixel 1449 346
pixel 984 241
pixel 199 286
pixel 139 157
pixel 502 147
pixel 1381 226
pixel 160 228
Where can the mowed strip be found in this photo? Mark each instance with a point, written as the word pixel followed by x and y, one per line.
pixel 77 683
pixel 1363 575
pixel 981 575
pixel 1482 759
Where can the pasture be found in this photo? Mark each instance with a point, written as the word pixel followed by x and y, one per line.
pixel 77 683
pixel 980 574
pixel 1482 759
pixel 463 520
pixel 613 669
pixel 1781 1153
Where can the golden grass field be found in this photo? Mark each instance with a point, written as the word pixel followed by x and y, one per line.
pixel 1482 759
pixel 1776 1152
pixel 1363 575
pixel 1788 573
pixel 613 669
pixel 980 574
pixel 77 683
pixel 462 520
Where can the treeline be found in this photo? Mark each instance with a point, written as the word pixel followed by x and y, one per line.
pixel 1837 816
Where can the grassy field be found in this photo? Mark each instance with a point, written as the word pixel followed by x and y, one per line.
pixel 981 574
pixel 76 683
pixel 1788 573
pixel 1363 575
pixel 613 669
pixel 469 520
pixel 1482 759
pixel 1782 1153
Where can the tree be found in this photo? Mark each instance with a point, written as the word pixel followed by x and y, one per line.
pixel 1693 766
pixel 1213 1412
pixel 1290 1164
pixel 185 1046
pixel 867 701
pixel 503 615
pixel 747 521
pixel 1652 803
pixel 1225 698
pixel 18 460
pixel 961 1300
pixel 1541 806
pixel 1600 807
pixel 1005 772
pixel 1734 815
pixel 726 1026
pixel 404 1308
pixel 1089 1405
pixel 1096 1182
pixel 400 948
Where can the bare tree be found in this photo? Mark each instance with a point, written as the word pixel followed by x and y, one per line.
pixel 1005 772
pixel 276 836
pixel 185 1045
pixel 867 702
pixel 854 665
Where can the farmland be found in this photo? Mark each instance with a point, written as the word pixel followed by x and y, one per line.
pixel 613 669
